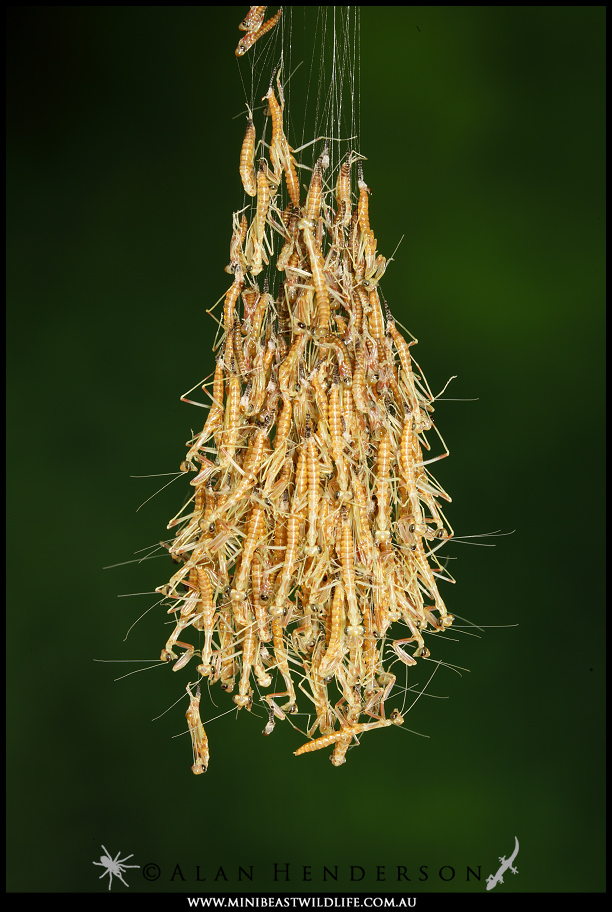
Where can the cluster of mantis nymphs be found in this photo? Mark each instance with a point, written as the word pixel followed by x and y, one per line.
pixel 314 520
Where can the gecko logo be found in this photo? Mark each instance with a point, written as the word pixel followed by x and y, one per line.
pixel 494 879
pixel 114 866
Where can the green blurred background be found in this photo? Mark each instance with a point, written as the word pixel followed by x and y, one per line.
pixel 484 131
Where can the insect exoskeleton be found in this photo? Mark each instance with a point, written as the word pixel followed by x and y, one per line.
pixel 254 35
pixel 198 735
pixel 314 521
pixel 253 20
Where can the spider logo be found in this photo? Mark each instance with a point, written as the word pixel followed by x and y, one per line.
pixel 114 866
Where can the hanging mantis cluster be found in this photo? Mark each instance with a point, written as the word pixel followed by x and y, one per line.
pixel 313 526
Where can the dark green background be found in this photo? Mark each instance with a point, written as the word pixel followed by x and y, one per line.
pixel 484 131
